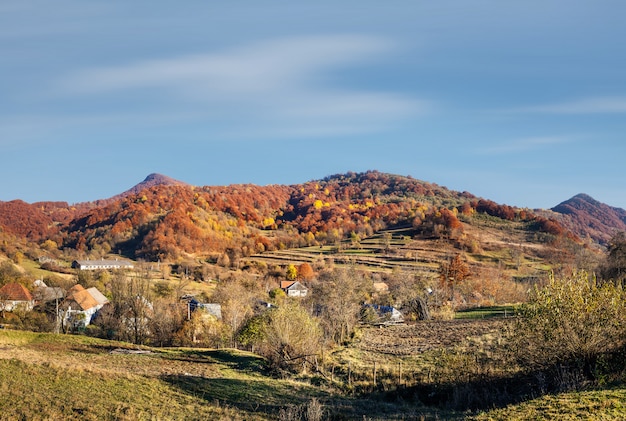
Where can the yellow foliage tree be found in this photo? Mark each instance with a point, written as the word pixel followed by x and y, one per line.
pixel 292 272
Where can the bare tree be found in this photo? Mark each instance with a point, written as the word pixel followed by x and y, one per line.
pixel 131 306
pixel 168 317
pixel 453 272
pixel 237 297
pixel 337 300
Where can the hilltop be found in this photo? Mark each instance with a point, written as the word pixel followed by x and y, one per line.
pixel 585 216
pixel 152 180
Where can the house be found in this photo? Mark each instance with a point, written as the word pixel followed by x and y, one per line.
pixel 102 264
pixel 81 305
pixel 386 314
pixel 294 288
pixel 98 296
pixel 212 309
pixel 14 295
pixel 42 293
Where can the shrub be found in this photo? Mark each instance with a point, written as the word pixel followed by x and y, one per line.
pixel 290 338
pixel 444 312
pixel 574 324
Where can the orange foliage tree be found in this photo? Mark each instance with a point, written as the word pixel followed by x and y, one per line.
pixel 305 272
pixel 451 273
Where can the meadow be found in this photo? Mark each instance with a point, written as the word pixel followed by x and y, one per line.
pixel 401 372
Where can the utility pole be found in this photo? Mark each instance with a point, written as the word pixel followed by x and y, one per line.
pixel 56 322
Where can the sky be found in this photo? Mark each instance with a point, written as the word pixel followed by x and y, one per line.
pixel 519 102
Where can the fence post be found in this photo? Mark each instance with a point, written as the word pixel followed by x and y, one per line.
pixel 374 373
pixel 349 373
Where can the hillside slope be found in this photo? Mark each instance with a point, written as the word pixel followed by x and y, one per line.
pixel 165 219
pixel 586 216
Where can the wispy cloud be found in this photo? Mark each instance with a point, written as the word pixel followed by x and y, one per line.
pixel 292 80
pixel 597 105
pixel 507 147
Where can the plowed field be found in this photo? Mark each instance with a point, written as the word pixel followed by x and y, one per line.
pixel 404 340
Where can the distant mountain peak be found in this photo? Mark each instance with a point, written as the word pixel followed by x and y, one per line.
pixel 152 180
pixel 156 179
pixel 579 201
pixel 587 215
pixel 585 197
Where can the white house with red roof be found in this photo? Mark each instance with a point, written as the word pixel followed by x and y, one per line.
pixel 14 295
pixel 81 305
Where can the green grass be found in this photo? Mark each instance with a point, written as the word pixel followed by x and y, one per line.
pixel 607 404
pixel 486 312
pixel 34 268
pixel 45 392
pixel 47 376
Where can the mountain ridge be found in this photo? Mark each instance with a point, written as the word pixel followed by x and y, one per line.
pixel 161 218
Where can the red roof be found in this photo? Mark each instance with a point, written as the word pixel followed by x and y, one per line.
pixel 75 288
pixel 83 299
pixel 15 292
pixel 286 284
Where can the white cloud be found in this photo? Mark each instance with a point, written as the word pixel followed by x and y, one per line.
pixel 258 67
pixel 267 82
pixel 598 105
pixel 525 144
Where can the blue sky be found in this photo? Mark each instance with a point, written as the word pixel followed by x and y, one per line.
pixel 523 103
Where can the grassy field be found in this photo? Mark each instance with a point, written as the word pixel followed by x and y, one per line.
pixel 46 376
pixel 486 312
pixel 503 245
pixel 386 373
pixel 596 405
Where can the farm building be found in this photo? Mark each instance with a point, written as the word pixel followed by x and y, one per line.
pixel 294 288
pixel 102 264
pixel 42 293
pixel 214 310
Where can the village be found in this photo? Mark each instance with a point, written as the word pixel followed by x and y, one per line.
pixel 115 299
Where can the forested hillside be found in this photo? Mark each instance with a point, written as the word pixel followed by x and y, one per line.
pixel 587 217
pixel 164 219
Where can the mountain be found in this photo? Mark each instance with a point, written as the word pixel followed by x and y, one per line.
pixel 587 217
pixel 173 221
pixel 151 180
pixel 166 219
